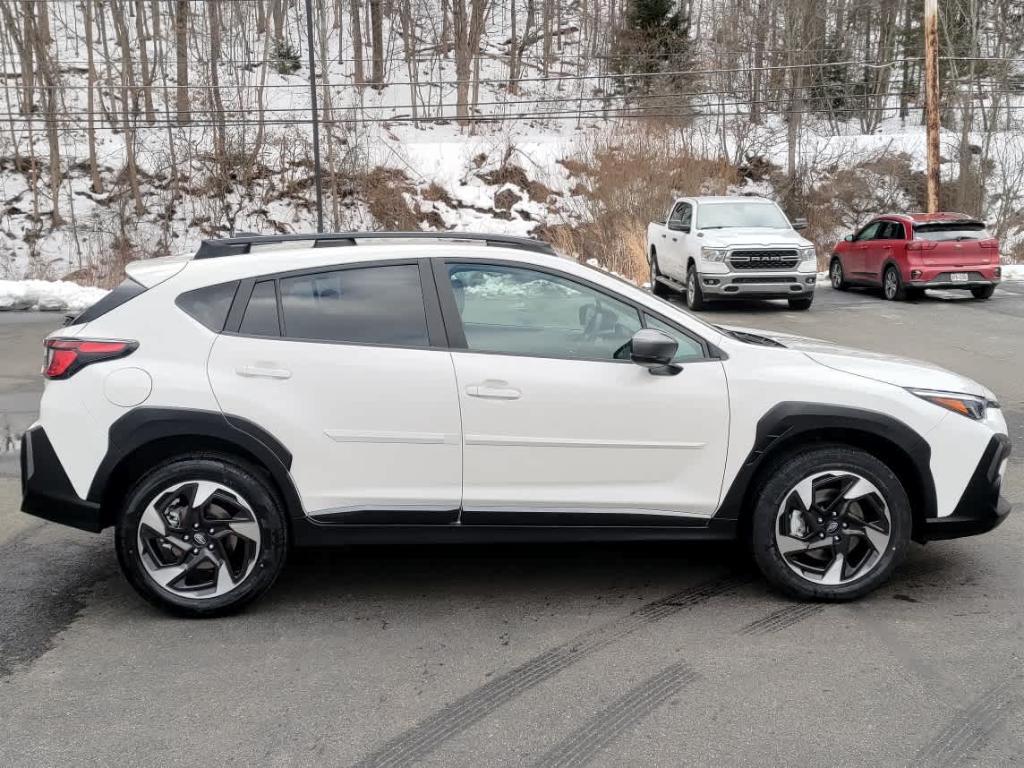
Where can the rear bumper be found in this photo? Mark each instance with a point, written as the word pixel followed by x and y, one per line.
pixel 47 491
pixel 942 277
pixel 982 506
pixel 758 285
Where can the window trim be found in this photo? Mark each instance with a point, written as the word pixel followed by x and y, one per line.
pixel 436 336
pixel 457 337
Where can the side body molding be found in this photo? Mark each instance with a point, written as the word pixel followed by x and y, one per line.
pixel 790 423
pixel 144 426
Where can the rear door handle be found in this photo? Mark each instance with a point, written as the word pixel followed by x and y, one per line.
pixel 258 372
pixel 493 390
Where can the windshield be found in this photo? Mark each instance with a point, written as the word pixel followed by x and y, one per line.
pixel 740 214
pixel 951 230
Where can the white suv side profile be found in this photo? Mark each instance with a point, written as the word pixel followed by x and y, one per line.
pixel 275 392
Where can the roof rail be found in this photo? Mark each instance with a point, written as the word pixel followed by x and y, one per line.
pixel 243 244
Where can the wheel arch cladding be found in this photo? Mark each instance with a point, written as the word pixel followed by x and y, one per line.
pixel 145 436
pixel 791 426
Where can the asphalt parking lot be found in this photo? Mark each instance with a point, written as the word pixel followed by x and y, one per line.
pixel 603 655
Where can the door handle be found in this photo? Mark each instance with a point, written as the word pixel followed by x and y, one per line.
pixel 493 390
pixel 663 234
pixel 258 372
pixel 675 239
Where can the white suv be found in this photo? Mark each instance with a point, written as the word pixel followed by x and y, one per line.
pixel 283 391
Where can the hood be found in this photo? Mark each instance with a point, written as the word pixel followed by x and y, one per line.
pixel 890 369
pixel 745 236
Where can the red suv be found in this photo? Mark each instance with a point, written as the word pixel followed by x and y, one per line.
pixel 906 253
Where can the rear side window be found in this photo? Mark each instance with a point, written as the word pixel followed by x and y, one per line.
pixel 951 230
pixel 890 230
pixel 369 305
pixel 209 305
pixel 126 291
pixel 260 318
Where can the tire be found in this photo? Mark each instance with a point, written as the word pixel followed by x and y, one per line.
pixel 914 294
pixel 694 294
pixel 658 289
pixel 810 568
pixel 801 304
pixel 983 291
pixel 837 276
pixel 211 566
pixel 892 284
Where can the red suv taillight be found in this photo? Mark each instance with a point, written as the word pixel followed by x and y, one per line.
pixel 922 245
pixel 66 357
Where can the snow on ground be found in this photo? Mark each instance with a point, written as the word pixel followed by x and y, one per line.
pixel 47 295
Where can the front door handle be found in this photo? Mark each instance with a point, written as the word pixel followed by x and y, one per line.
pixel 259 372
pixel 493 390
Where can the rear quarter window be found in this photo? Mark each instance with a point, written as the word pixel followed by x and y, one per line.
pixel 209 305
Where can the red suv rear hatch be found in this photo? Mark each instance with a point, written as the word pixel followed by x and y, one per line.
pixel 962 243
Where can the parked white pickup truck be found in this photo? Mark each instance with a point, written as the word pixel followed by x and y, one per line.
pixel 730 248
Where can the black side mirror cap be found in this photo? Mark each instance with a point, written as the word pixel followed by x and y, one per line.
pixel 799 224
pixel 654 350
pixel 848 238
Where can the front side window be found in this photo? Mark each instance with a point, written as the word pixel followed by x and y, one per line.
pixel 366 305
pixel 869 232
pixel 520 311
pixel 689 348
pixel 682 215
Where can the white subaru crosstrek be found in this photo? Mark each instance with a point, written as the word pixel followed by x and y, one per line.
pixel 271 392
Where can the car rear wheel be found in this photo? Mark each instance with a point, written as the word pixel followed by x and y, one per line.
pixel 836 275
pixel 892 284
pixel 694 295
pixel 983 291
pixel 831 523
pixel 202 535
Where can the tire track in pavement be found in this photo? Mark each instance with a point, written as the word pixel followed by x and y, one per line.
pixel 972 726
pixel 782 618
pixel 581 746
pixel 413 745
pixel 45 578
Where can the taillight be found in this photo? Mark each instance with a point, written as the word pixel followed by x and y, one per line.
pixel 921 245
pixel 990 243
pixel 66 357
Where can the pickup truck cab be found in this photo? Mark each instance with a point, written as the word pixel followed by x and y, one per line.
pixel 730 248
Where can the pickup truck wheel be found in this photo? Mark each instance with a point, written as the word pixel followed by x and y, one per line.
pixel 831 523
pixel 801 304
pixel 983 292
pixel 657 288
pixel 694 295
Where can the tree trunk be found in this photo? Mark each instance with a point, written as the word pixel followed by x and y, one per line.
pixel 377 43
pixel 147 76
pixel 181 61
pixel 121 31
pixel 219 140
pixel 94 171
pixel 357 45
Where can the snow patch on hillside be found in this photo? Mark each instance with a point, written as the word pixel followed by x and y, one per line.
pixel 47 295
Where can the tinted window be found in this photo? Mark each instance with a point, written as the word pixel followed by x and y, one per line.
pixel 209 305
pixel 524 312
pixel 260 318
pixel 370 305
pixel 128 289
pixel 682 215
pixel 959 230
pixel 688 348
pixel 889 230
pixel 868 233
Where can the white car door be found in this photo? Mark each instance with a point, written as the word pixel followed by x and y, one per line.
pixel 559 427
pixel 343 367
pixel 680 225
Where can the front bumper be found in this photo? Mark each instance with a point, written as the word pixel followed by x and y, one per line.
pixel 47 491
pixel 758 285
pixel 982 506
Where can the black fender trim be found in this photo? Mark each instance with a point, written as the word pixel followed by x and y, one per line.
pixel 982 506
pixel 46 490
pixel 786 423
pixel 145 425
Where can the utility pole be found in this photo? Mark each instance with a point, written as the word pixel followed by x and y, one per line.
pixel 316 120
pixel 931 98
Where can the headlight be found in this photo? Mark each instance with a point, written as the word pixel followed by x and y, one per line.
pixel 714 254
pixel 971 406
pixel 808 254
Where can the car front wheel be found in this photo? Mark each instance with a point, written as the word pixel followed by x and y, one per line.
pixel 836 275
pixel 201 535
pixel 983 292
pixel 831 523
pixel 694 294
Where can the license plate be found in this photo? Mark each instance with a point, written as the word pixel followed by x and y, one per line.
pixel 959 277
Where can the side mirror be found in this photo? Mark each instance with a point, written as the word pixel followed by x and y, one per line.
pixel 848 238
pixel 654 350
pixel 799 224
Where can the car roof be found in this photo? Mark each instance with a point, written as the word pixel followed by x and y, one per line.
pixel 729 199
pixel 920 218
